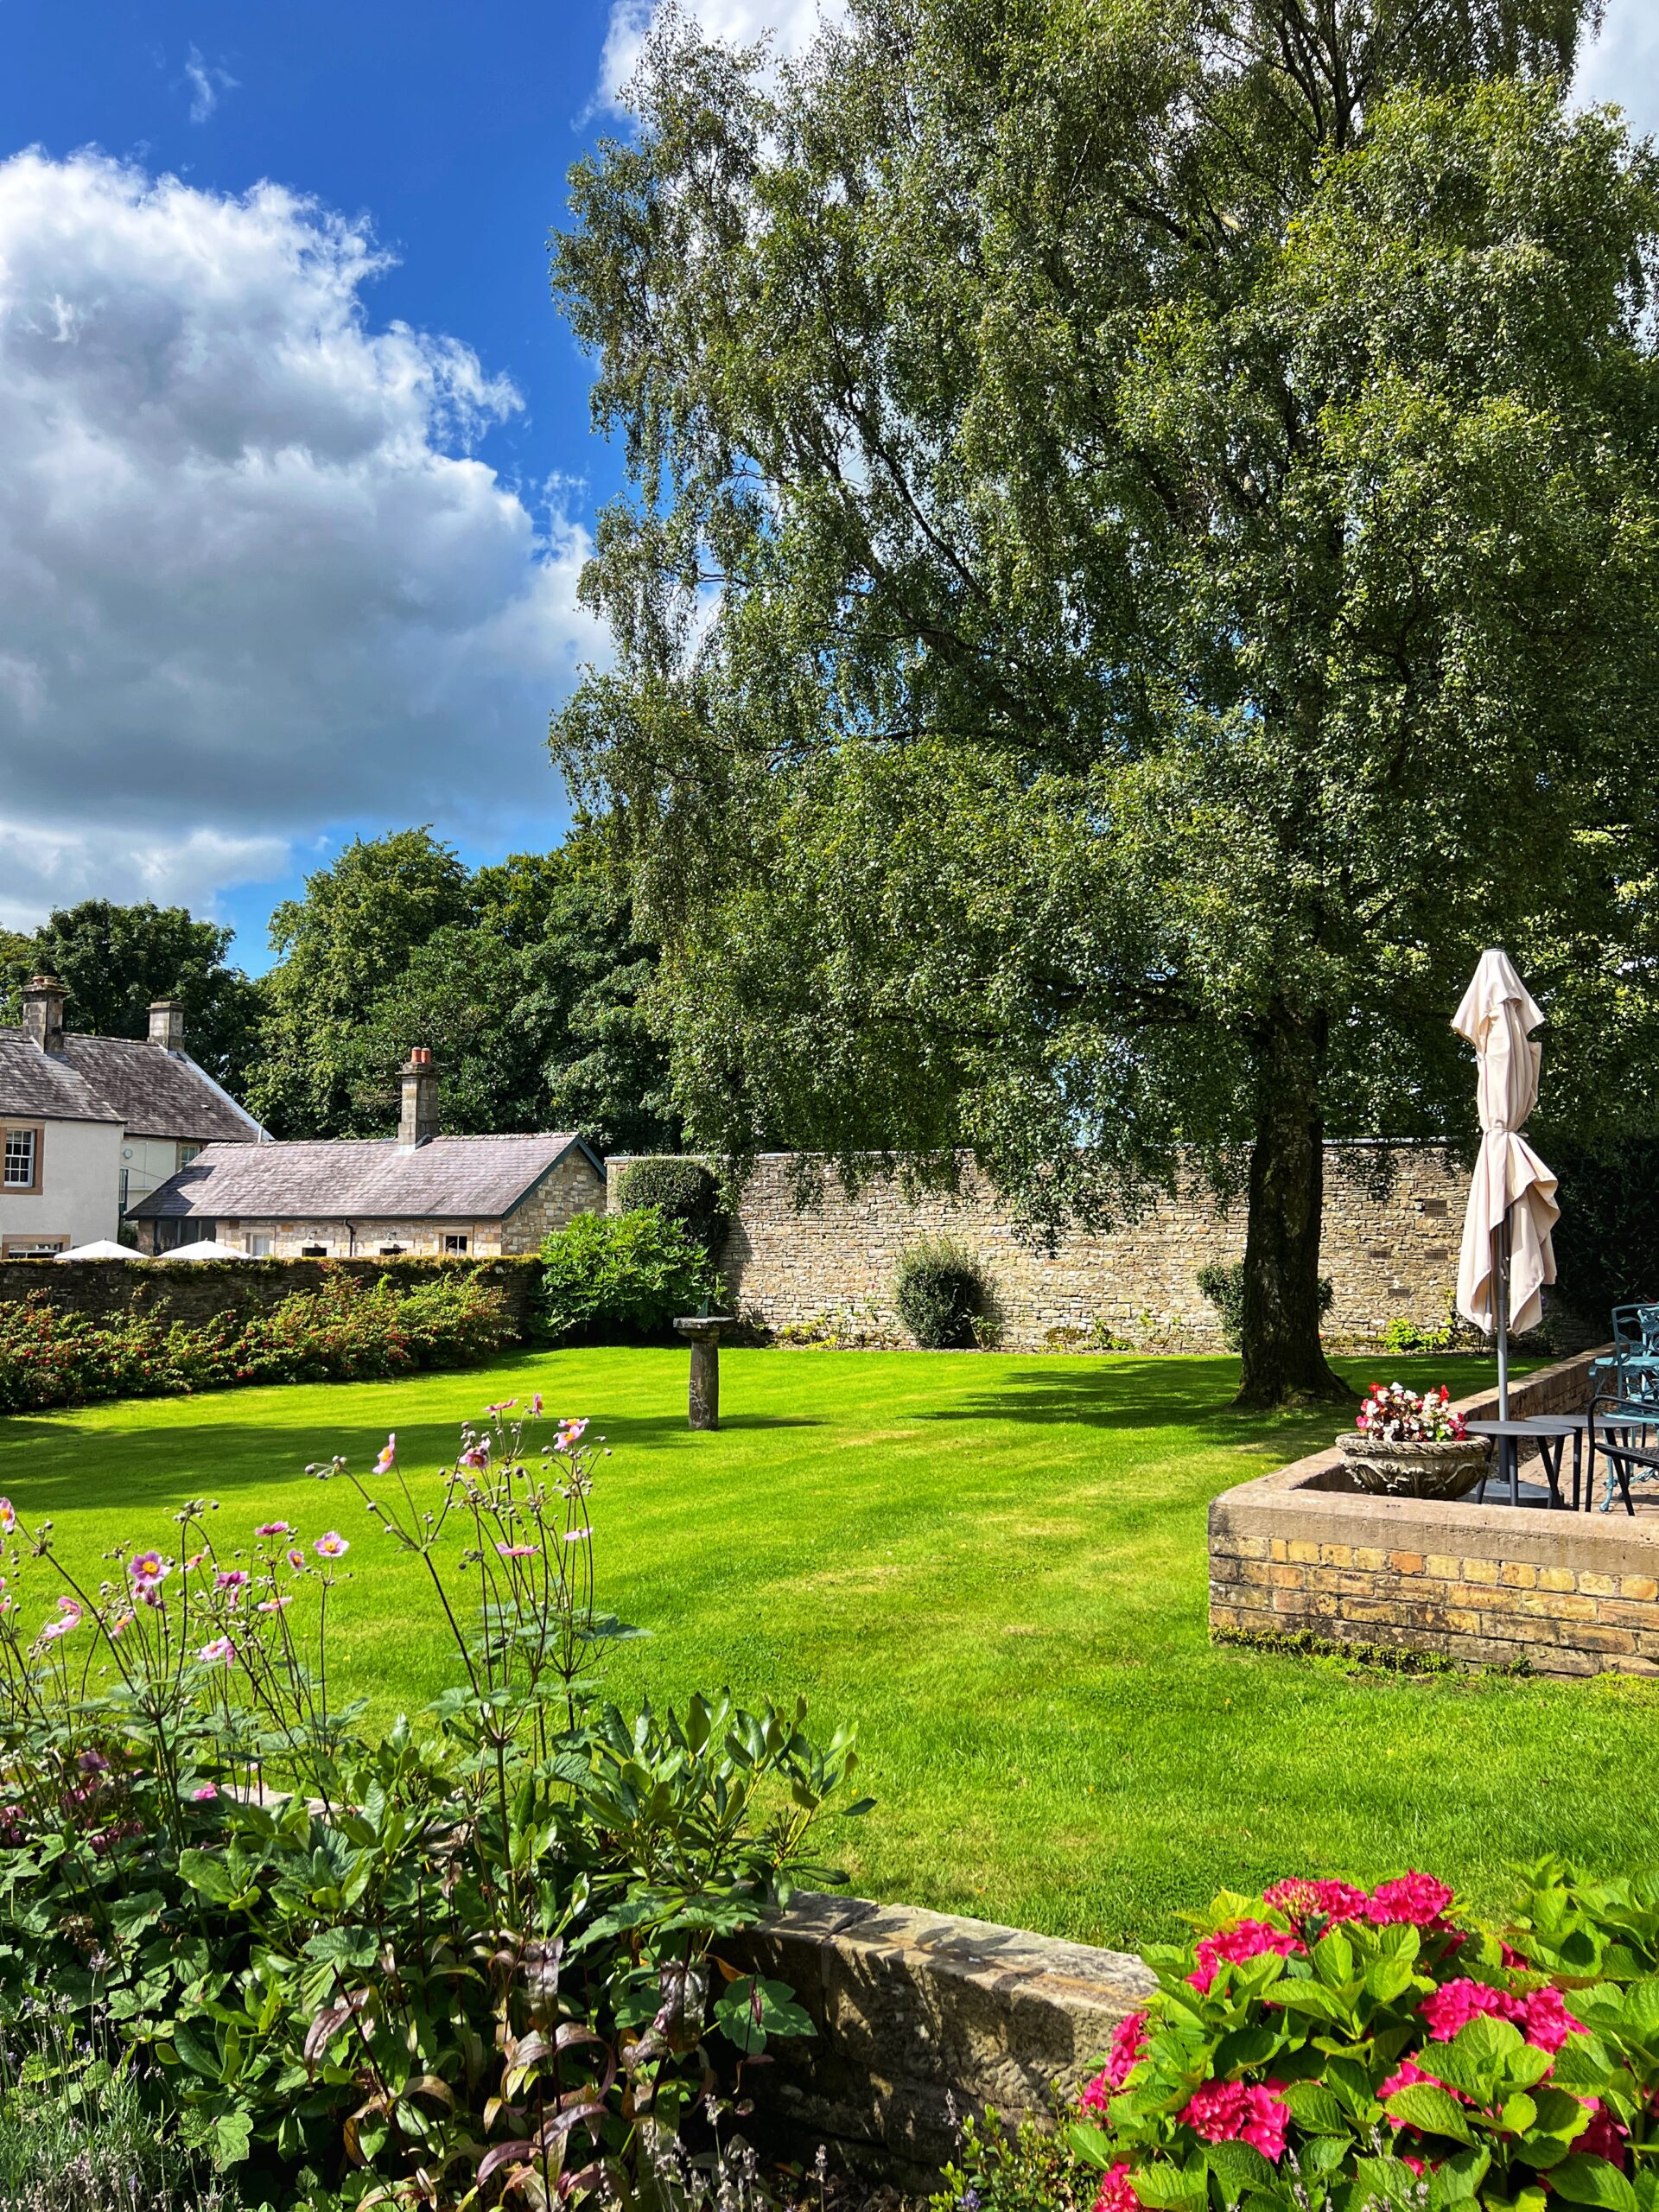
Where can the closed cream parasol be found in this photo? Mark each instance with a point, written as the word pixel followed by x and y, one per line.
pixel 1506 1258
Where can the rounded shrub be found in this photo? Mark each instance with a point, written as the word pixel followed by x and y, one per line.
pixel 682 1191
pixel 628 1273
pixel 940 1290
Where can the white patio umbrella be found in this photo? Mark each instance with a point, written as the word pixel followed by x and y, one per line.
pixel 102 1247
pixel 204 1249
pixel 1507 1257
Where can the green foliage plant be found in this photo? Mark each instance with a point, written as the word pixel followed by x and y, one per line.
pixel 1322 2045
pixel 633 1272
pixel 940 1290
pixel 1607 1239
pixel 1136 449
pixel 474 1958
pixel 1225 1288
pixel 681 1189
pixel 344 1331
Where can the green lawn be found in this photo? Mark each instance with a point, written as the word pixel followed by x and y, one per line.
pixel 994 1564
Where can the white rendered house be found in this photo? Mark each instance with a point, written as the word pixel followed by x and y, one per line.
pixel 89 1125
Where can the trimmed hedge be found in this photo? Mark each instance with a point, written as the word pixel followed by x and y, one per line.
pixel 344 1331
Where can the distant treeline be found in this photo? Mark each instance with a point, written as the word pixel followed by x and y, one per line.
pixel 525 979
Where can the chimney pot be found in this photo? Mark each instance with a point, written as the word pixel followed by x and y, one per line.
pixel 43 998
pixel 166 1025
pixel 417 1120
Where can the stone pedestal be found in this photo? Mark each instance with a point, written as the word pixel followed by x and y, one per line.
pixel 702 1402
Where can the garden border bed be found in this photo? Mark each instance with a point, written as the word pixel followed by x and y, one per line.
pixel 1300 1551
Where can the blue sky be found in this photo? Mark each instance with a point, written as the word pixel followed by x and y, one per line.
pixel 297 466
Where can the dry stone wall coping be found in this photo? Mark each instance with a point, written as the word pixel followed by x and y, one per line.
pixel 919 2014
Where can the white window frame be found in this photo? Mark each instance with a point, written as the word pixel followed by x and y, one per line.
pixel 34 1135
pixel 457 1243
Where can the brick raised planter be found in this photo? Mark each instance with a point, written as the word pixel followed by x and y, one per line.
pixel 1296 1552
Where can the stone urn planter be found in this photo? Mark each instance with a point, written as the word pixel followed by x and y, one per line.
pixel 1448 1468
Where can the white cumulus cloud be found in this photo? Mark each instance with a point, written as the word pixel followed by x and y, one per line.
pixel 253 578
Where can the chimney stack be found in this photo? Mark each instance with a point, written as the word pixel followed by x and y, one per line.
pixel 43 997
pixel 417 1122
pixel 166 1025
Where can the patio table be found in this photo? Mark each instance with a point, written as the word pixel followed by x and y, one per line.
pixel 1549 1432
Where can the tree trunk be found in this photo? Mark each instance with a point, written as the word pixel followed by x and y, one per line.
pixel 1284 1362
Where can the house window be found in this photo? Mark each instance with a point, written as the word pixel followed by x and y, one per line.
pixel 22 1158
pixel 188 1152
pixel 456 1242
pixel 259 1248
pixel 32 1247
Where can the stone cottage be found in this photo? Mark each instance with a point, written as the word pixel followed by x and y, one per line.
pixel 417 1193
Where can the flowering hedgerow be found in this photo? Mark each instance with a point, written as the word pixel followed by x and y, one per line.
pixel 1326 2045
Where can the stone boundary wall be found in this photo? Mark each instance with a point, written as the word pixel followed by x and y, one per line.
pixel 1388 1251
pixel 198 1290
pixel 1569 1593
pixel 914 2010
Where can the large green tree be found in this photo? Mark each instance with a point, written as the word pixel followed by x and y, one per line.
pixel 1143 556
pixel 114 960
pixel 525 979
pixel 347 939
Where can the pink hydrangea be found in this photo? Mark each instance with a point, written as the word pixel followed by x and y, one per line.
pixel 1115 2194
pixel 1414 1901
pixel 1543 2017
pixel 1330 1900
pixel 1604 2135
pixel 1128 2041
pixel 1453 2006
pixel 1240 2111
pixel 1549 2024
pixel 1248 1939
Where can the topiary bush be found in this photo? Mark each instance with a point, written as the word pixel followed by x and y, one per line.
pixel 681 1189
pixel 622 1271
pixel 1225 1288
pixel 940 1290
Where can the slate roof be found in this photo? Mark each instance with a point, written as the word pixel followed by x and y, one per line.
pixel 155 1093
pixel 47 1084
pixel 460 1178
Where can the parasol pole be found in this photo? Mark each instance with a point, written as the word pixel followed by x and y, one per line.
pixel 1503 1303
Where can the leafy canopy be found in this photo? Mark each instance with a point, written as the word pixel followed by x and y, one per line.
pixel 1141 561
pixel 524 978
